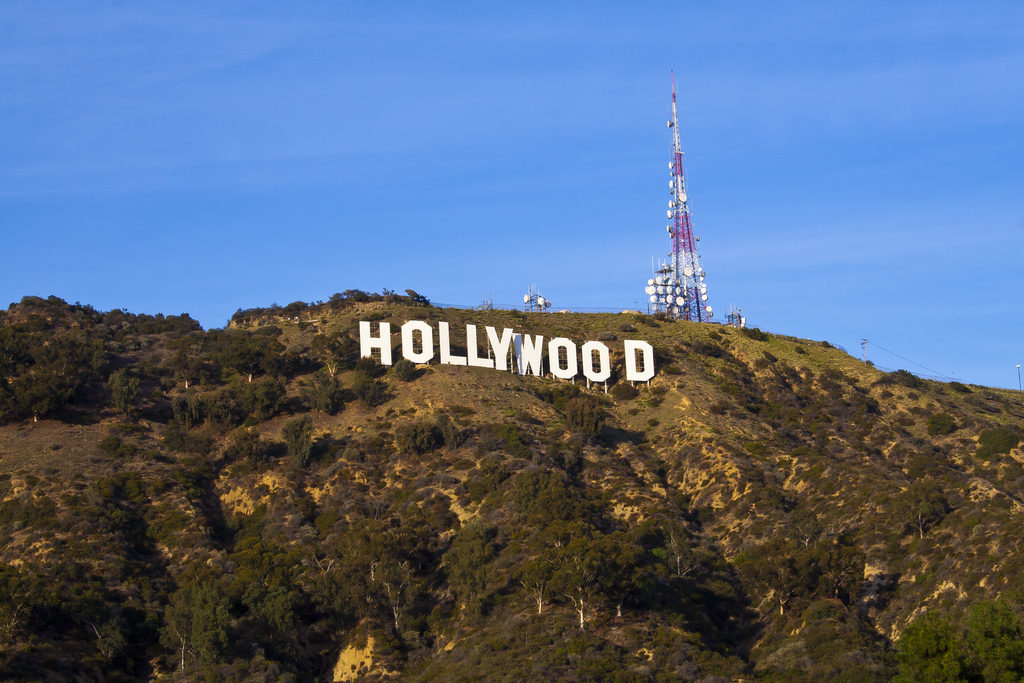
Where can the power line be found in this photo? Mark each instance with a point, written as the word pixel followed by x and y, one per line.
pixel 925 367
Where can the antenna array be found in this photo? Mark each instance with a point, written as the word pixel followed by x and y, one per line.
pixel 678 288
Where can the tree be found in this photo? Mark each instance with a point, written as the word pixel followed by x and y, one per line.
pixel 467 559
pixel 994 638
pixel 930 650
pixel 187 409
pixel 324 393
pixel 196 622
pixel 246 445
pixel 679 549
pixel 925 504
pixel 124 392
pixel 941 424
pixel 253 353
pixel 189 362
pixel 404 370
pixel 298 438
pixel 334 351
pixel 536 576
pixel 582 566
pixel 584 416
pixel 782 570
pixel 840 566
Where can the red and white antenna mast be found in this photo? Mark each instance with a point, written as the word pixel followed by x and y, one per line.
pixel 678 287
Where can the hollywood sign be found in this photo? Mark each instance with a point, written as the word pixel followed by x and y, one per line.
pixel 508 350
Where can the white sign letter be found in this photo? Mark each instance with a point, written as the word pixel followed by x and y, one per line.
pixel 529 352
pixel 500 346
pixel 426 353
pixel 367 342
pixel 570 369
pixel 472 348
pixel 632 373
pixel 444 341
pixel 604 366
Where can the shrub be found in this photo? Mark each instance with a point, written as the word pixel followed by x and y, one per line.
pixel 997 441
pixel 941 424
pixel 754 333
pixel 418 437
pixel 907 379
pixel 404 370
pixel 298 438
pixel 584 415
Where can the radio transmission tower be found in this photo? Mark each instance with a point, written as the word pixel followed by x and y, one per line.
pixel 678 288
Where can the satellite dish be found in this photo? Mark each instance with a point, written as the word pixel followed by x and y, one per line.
pixel 703 297
pixel 680 301
pixel 650 281
pixel 708 309
pixel 547 304
pixel 669 213
pixel 703 289
pixel 654 299
pixel 526 298
pixel 670 183
pixel 649 289
pixel 540 300
pixel 688 271
pixel 670 165
pixel 683 196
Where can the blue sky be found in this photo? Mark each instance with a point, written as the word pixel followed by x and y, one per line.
pixel 854 168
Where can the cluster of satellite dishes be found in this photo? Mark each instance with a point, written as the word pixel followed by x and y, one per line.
pixel 533 301
pixel 674 296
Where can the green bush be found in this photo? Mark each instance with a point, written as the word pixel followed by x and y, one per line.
pixel 997 441
pixel 404 370
pixel 418 437
pixel 584 415
pixel 623 391
pixel 941 424
pixel 754 333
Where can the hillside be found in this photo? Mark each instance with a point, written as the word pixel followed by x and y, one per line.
pixel 257 503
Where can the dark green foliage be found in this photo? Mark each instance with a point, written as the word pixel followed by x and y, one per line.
pixel 187 409
pixel 941 424
pixel 124 392
pixel 754 333
pixel 467 562
pixel 196 623
pixel 246 446
pixel 998 441
pixel 371 392
pixel 987 646
pixel 506 438
pixel 584 415
pixel 46 369
pixel 419 437
pixel 297 434
pixel 404 370
pixel 623 391
pixel 252 353
pixel 924 504
pixel 335 351
pixel 906 378
pixel 324 393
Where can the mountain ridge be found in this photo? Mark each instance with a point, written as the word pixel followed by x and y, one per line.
pixel 766 508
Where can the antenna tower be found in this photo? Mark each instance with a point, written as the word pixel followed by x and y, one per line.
pixel 678 288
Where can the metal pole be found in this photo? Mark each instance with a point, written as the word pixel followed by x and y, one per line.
pixel 1018 377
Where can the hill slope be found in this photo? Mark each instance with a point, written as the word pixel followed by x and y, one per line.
pixel 257 503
